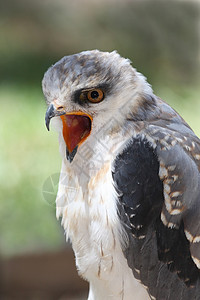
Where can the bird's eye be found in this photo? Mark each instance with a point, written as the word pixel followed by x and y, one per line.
pixel 95 95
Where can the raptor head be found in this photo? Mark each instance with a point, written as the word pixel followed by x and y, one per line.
pixel 86 90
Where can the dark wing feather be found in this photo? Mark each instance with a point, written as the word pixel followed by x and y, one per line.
pixel 158 181
pixel 178 151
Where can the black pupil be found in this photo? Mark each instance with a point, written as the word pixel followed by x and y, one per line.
pixel 94 94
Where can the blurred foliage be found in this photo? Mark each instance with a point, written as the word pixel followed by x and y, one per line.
pixel 160 37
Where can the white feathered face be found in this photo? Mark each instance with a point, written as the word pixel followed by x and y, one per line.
pixel 86 90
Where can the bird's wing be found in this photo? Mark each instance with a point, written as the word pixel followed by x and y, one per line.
pixel 157 177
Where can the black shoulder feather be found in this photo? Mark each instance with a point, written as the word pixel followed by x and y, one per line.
pixel 159 255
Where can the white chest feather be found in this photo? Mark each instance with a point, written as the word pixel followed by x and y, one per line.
pixel 89 217
pixel 87 203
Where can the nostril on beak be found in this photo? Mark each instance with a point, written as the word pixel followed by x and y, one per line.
pixel 59 108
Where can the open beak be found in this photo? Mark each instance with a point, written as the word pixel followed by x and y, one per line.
pixel 76 128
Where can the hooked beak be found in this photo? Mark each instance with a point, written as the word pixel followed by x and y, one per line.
pixel 76 128
pixel 50 113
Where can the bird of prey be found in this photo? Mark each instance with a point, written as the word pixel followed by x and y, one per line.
pixel 133 217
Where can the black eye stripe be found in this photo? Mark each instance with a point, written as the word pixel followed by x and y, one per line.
pixel 80 96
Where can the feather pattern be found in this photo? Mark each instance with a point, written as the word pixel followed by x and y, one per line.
pixel 158 179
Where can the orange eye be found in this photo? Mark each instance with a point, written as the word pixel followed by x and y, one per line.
pixel 95 95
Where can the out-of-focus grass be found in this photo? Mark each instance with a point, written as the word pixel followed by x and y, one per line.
pixel 29 155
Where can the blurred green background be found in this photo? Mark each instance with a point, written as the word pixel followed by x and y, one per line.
pixel 160 37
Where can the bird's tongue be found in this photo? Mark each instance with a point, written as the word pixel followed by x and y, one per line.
pixel 76 128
